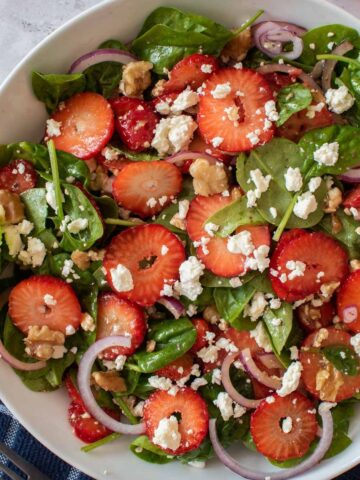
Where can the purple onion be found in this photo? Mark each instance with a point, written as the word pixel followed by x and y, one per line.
pixel 174 306
pixel 330 65
pixel 254 370
pixel 270 37
pixel 351 176
pixel 18 364
pixel 101 55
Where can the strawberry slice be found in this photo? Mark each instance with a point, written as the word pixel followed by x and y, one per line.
pixel 86 427
pixel 177 369
pixel 113 166
pixel 146 188
pixel 216 257
pixel 191 71
pixel 193 425
pixel 44 300
pixel 202 328
pixel 198 144
pixel 135 122
pixel 73 392
pixel 246 99
pixel 18 176
pixel 325 261
pixel 119 317
pixel 352 199
pixel 277 81
pixel 166 98
pixel 269 421
pixel 141 250
pixel 86 125
pixel 337 386
pixel 312 318
pixel 348 301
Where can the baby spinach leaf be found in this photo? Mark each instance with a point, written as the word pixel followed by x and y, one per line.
pixel 147 451
pixel 319 37
pixel 347 235
pixel 36 208
pixel 279 333
pixel 341 414
pixel 350 77
pixel 53 88
pixel 113 43
pixel 137 156
pixel 343 358
pixel 230 302
pixel 208 279
pixel 292 99
pixel 200 454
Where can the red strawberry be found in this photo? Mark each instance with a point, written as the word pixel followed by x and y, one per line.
pixel 139 250
pixel 135 122
pixel 177 369
pixel 219 259
pixel 87 428
pixel 29 305
pixel 249 94
pixel 348 300
pixel 168 98
pixel 193 425
pixel 198 144
pixel 119 317
pixel 352 199
pixel 141 183
pixel 18 176
pixel 325 261
pixel 72 390
pixel 313 361
pixel 277 81
pixel 113 166
pixel 202 328
pixel 313 318
pixel 87 124
pixel 267 432
pixel 191 71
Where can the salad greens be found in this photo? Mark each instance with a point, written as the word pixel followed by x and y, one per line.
pixel 292 99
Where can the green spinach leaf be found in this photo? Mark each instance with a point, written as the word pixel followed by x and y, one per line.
pixel 147 451
pixel 343 358
pixel 292 99
pixel 279 333
pixel 36 208
pixel 230 303
pixel 347 235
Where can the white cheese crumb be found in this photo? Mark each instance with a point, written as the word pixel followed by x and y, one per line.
pixel 121 278
pixel 327 154
pixel 273 212
pixel 287 425
pixel 173 134
pixel 183 209
pixel 355 342
pixel 53 128
pixel 217 141
pixel 167 433
pixel 270 111
pixel 69 330
pixel 49 300
pixel 210 228
pixel 261 337
pixel 293 179
pixel 339 99
pixel 206 68
pixel 294 353
pixel 77 225
pixel 305 205
pixel 225 405
pixel 164 250
pixel 221 90
pixel 314 184
pixel 256 307
pixel 296 267
pixel 241 243
pixel 291 379
pixel 190 273
pixel 184 100
pixel 88 323
pixel 35 253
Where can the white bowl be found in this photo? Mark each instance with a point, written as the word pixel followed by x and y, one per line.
pixel 22 118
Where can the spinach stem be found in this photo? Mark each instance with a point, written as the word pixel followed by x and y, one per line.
pixel 100 443
pixel 131 366
pixel 285 219
pixel 338 58
pixel 118 221
pixel 306 68
pixel 56 178
pixel 249 22
pixel 125 409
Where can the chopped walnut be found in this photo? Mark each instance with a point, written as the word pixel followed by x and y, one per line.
pixel 327 290
pixel 208 179
pixel 96 255
pixel 236 193
pixel 336 224
pixel 136 78
pixel 239 46
pixel 109 381
pixel 43 343
pixel 309 315
pixel 87 323
pixel 150 346
pixel 159 88
pixel 333 200
pixel 328 382
pixel 211 314
pixel 320 336
pixel 178 222
pixel 11 208
pixel 81 259
pixel 354 265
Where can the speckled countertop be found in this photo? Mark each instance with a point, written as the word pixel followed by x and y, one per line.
pixel 25 22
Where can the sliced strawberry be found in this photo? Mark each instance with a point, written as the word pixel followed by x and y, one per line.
pixel 18 176
pixel 348 300
pixel 166 98
pixel 145 188
pixel 177 369
pixel 73 392
pixel 119 317
pixel 198 144
pixel 202 328
pixel 191 71
pixel 140 249
pixel 313 318
pixel 242 339
pixel 352 198
pixel 114 166
pixel 219 259
pixel 86 125
pixel 277 81
pixel 193 424
pixel 249 94
pixel 266 427
pixel 29 305
pixel 313 362
pixel 87 428
pixel 325 261
pixel 135 122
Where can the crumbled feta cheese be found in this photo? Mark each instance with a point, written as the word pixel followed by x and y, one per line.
pixel 184 100
pixel 235 282
pixel 35 253
pixel 167 291
pixel 190 273
pixel 53 128
pixel 208 354
pixel 330 45
pixel 313 109
pixel 273 212
pixel 198 382
pixel 167 433
pixel 225 405
pixel 314 184
pixel 221 90
pixel 294 353
pixel 191 310
pixel 197 463
pixel 163 108
pixel 296 267
pixel 270 399
pixel 49 300
pixel 110 153
pixel 88 323
pixel 217 141
pixel 293 179
pixel 24 227
pixel 58 351
pixel 259 260
pixel 50 195
pixel 69 330
pixel 206 68
pixel 275 303
pixel 173 134
pixel 291 379
pixel 355 342
pixel 121 278
pixel 67 268
pixel 312 46
pixel 183 209
pixel 270 111
pixel 327 154
pixel 256 307
pixel 305 205
pixel 238 65
pixel 226 344
pixel 261 337
pixel 261 183
pixel 251 199
pixel 164 250
pixel 210 228
pixel 287 425
pixel 161 383
pixel 254 139
pixel 232 113
pixel 151 202
pixel 216 376
pixel 77 225
pixel 339 99
pixel 202 243
pixel 241 243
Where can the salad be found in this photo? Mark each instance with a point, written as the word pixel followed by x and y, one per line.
pixel 181 250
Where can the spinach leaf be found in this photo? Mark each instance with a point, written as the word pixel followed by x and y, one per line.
pixel 53 88
pixel 36 208
pixel 136 156
pixel 230 303
pixel 113 43
pixel 168 35
pixel 341 414
pixel 208 279
pixel 279 333
pixel 347 235
pixel 147 451
pixel 200 454
pixel 319 37
pixel 109 209
pixel 343 358
pixel 292 99
pixel 350 77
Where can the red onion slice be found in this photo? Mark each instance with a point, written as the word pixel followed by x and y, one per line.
pixel 180 158
pixel 83 378
pixel 269 38
pixel 18 364
pixel 351 176
pixel 330 65
pixel 269 360
pixel 350 314
pixel 314 459
pixel 229 387
pixel 101 55
pixel 174 306
pixel 254 370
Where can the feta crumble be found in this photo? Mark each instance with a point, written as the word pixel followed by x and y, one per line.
pixel 217 141
pixel 167 433
pixel 173 134
pixel 186 99
pixel 77 225
pixel 221 90
pixel 327 154
pixel 291 379
pixel 339 99
pixel 241 243
pixel 183 209
pixel 287 425
pixel 305 205
pixel 296 268
pixel 256 307
pixel 314 184
pixel 35 253
pixel 190 273
pixel 293 179
pixel 121 278
pixel 206 68
pixel 53 128
pixel 261 337
pixel 270 111
pixel 355 342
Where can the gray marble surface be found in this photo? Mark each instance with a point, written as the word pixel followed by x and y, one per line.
pixel 23 23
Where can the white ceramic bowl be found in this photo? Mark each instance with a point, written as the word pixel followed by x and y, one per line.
pixel 22 118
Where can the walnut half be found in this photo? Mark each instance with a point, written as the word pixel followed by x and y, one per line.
pixel 208 179
pixel 136 78
pixel 11 208
pixel 109 381
pixel 43 343
pixel 239 46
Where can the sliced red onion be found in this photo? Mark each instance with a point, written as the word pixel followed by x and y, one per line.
pixel 87 396
pixel 351 176
pixel 269 37
pixel 350 314
pixel 174 306
pixel 269 360
pixel 18 364
pixel 254 370
pixel 180 158
pixel 330 65
pixel 317 71
pixel 229 387
pixel 310 462
pixel 101 55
